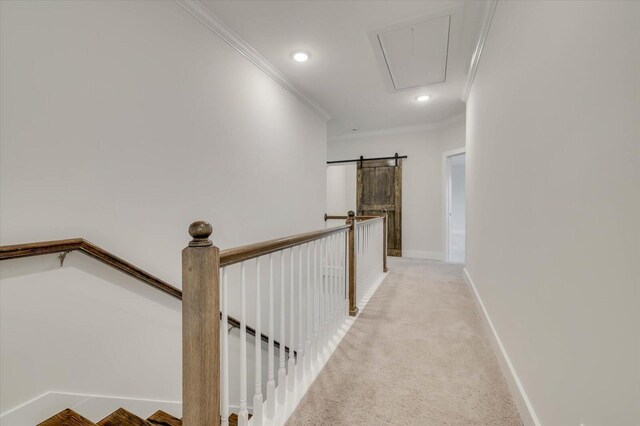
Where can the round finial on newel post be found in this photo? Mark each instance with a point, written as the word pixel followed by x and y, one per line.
pixel 351 213
pixel 200 231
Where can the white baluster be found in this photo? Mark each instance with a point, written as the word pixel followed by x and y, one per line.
pixel 362 279
pixel 377 234
pixel 257 397
pixel 291 370
pixel 343 279
pixel 309 328
pixel 316 304
pixel 325 290
pixel 368 257
pixel 346 275
pixel 361 265
pixel 364 263
pixel 271 383
pixel 334 281
pixel 243 415
pixel 370 250
pixel 339 297
pixel 379 246
pixel 365 246
pixel 224 354
pixel 301 352
pixel 371 257
pixel 365 251
pixel 282 371
pixel 374 258
pixel 336 273
pixel 322 296
pixel 343 274
pixel 328 285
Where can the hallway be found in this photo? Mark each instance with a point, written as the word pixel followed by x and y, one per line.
pixel 417 355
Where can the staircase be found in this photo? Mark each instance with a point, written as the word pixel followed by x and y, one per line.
pixel 120 417
pixel 317 270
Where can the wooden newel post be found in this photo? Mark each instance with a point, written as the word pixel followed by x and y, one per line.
pixel 200 329
pixel 384 243
pixel 351 220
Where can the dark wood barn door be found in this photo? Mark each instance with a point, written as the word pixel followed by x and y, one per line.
pixel 379 189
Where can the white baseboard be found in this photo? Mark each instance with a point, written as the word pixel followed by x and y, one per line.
pixel 419 254
pixel 93 407
pixel 525 408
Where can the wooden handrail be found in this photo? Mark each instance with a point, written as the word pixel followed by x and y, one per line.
pixel 364 218
pixel 17 251
pixel 92 250
pixel 251 251
pixel 358 218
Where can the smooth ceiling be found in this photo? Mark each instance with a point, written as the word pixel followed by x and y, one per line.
pixel 343 74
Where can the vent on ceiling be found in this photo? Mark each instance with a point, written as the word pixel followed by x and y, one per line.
pixel 414 55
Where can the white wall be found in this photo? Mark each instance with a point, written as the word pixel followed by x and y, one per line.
pixel 341 190
pixel 553 169
pixel 123 122
pixel 422 179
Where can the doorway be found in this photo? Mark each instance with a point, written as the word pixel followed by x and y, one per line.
pixel 379 190
pixel 454 214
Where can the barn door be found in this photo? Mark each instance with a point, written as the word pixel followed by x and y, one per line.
pixel 379 189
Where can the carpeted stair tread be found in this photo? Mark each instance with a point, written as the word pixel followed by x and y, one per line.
pixel 122 417
pixel 67 417
pixel 160 418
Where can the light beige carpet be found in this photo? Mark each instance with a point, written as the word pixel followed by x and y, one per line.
pixel 417 355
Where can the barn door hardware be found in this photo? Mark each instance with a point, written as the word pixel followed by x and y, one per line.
pixel 361 160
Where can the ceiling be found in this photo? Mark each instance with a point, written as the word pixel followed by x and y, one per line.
pixel 346 73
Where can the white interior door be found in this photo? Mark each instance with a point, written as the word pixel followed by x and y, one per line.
pixel 456 208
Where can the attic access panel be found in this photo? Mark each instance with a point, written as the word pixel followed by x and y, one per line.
pixel 416 55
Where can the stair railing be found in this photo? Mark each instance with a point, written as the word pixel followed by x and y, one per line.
pixel 359 218
pixel 64 247
pixel 307 280
pixel 369 238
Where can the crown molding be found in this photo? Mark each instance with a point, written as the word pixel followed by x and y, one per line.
pixel 219 28
pixel 477 53
pixel 400 130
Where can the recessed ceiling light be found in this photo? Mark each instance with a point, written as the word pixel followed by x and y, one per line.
pixel 300 56
pixel 423 98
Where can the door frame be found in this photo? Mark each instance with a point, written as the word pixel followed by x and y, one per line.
pixel 396 225
pixel 446 193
